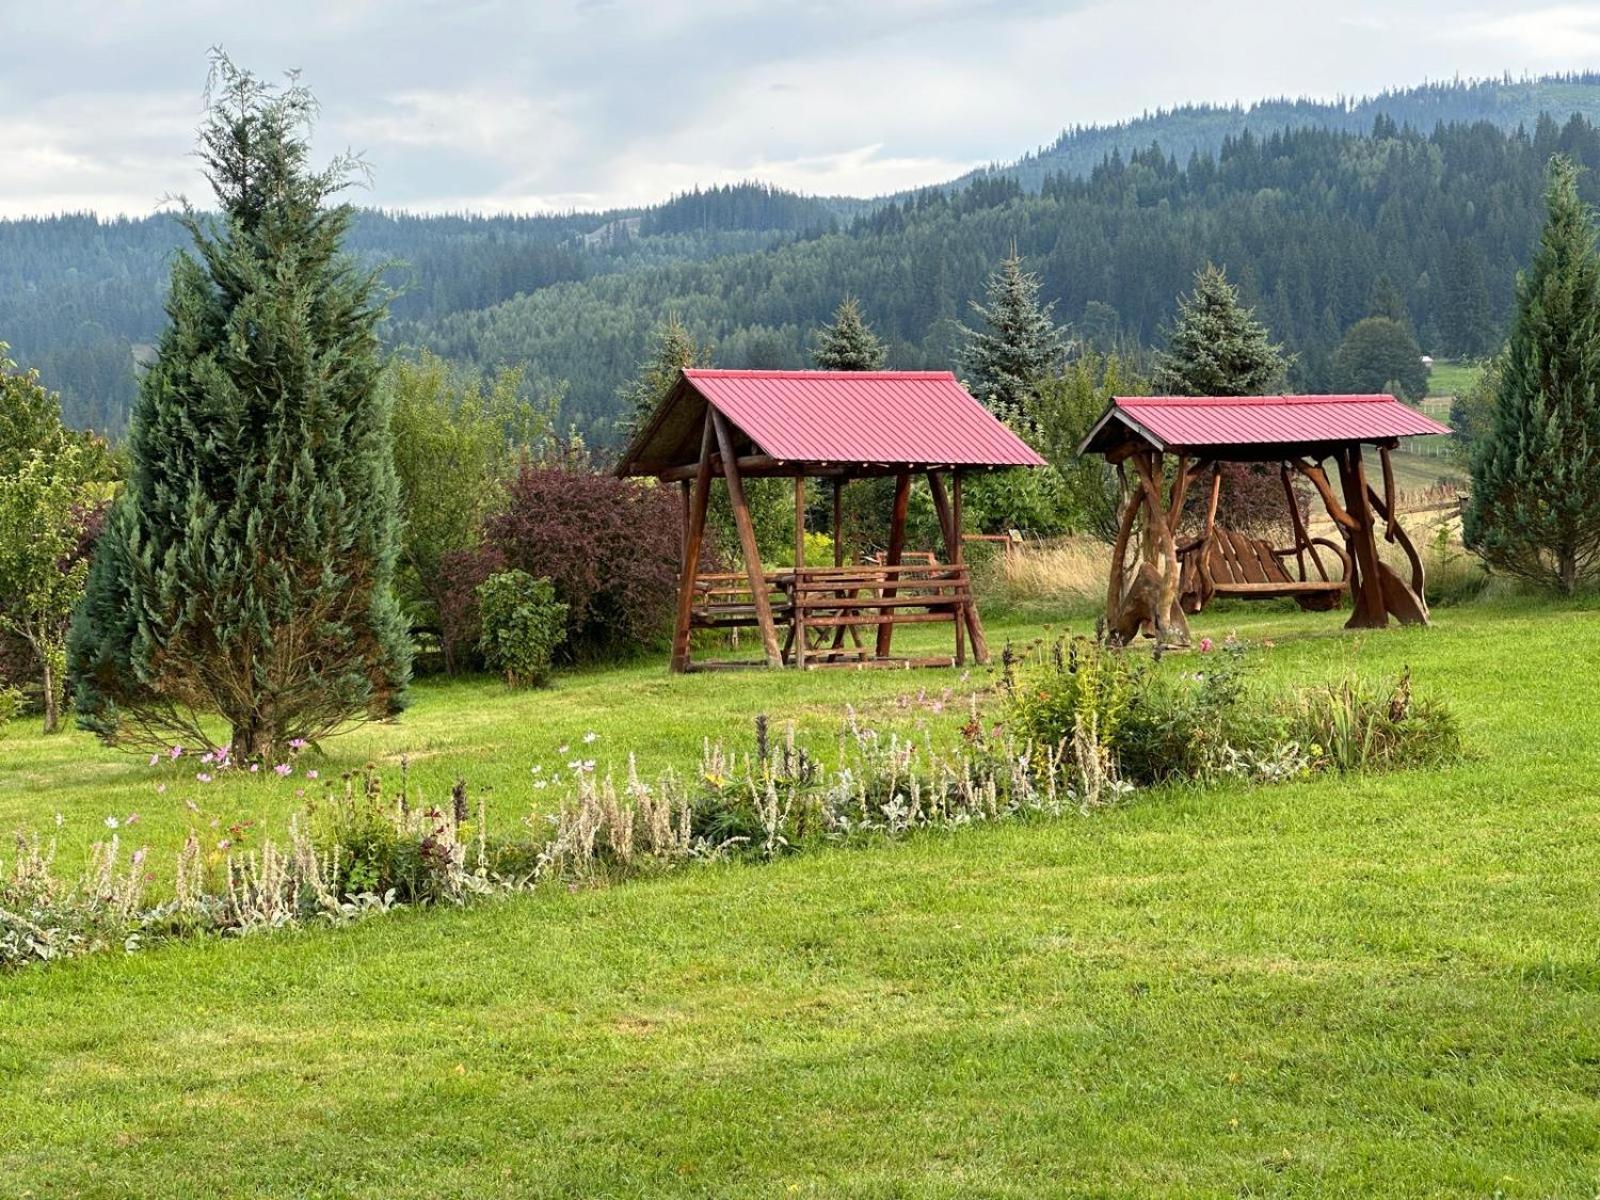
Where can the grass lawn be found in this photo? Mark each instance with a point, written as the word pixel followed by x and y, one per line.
pixel 1449 378
pixel 1385 986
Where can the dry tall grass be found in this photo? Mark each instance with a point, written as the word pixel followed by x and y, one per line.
pixel 1068 572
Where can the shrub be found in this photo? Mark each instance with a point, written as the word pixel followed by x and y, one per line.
pixel 1356 725
pixel 522 624
pixel 1201 722
pixel 10 706
pixel 608 546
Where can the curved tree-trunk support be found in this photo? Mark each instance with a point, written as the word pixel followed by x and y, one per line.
pixel 1408 604
pixel 1376 591
pixel 1149 602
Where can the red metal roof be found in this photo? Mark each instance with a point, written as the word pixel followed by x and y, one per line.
pixel 912 417
pixel 1175 421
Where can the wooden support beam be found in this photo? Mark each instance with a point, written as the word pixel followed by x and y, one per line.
pixel 897 545
pixel 950 531
pixel 798 614
pixel 693 532
pixel 747 541
pixel 1302 537
pixel 838 522
pixel 1366 581
pixel 1319 480
pixel 969 612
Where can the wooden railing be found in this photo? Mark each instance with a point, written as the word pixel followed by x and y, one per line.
pixel 826 607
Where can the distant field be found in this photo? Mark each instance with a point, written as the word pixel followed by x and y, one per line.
pixel 1451 378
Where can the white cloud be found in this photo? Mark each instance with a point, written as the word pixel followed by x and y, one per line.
pixel 556 104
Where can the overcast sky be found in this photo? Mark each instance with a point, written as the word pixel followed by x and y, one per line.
pixel 556 104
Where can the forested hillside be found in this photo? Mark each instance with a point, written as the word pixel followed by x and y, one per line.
pixel 1335 210
pixel 1203 128
pixel 1319 229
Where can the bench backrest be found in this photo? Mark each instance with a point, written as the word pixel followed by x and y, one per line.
pixel 1235 558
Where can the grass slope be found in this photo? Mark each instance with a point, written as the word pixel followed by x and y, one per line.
pixel 1382 986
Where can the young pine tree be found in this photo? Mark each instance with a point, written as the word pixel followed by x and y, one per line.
pixel 849 343
pixel 675 349
pixel 1217 347
pixel 1535 507
pixel 1018 346
pixel 246 570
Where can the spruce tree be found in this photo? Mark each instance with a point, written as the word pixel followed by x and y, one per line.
pixel 675 349
pixel 1535 506
pixel 1468 318
pixel 245 572
pixel 1216 347
pixel 1018 346
pixel 849 343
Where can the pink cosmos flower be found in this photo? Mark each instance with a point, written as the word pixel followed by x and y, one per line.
pixel 202 777
pixel 311 774
pixel 1205 645
pixel 175 752
pixel 282 770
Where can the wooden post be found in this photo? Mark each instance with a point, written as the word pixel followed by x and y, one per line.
pixel 797 612
pixel 747 541
pixel 969 611
pixel 897 545
pixel 752 554
pixel 685 489
pixel 693 532
pixel 838 521
pixel 950 530
pixel 1366 580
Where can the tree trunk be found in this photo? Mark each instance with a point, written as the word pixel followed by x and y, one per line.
pixel 1567 568
pixel 251 741
pixel 52 704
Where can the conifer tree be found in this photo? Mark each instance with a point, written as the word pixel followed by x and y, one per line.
pixel 849 343
pixel 1018 346
pixel 246 570
pixel 1216 347
pixel 1468 319
pixel 675 349
pixel 1535 506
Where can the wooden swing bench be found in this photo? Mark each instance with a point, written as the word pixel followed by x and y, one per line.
pixel 1228 564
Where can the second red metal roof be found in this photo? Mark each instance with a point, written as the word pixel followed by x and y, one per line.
pixel 1260 420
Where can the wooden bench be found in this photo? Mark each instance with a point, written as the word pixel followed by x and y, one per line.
pixel 1227 563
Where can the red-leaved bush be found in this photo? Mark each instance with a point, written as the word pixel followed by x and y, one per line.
pixel 610 546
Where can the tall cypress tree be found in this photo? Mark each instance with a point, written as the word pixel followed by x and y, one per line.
pixel 1019 345
pixel 1216 347
pixel 849 343
pixel 246 569
pixel 1535 507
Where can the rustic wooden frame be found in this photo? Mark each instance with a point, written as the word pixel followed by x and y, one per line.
pixel 1148 595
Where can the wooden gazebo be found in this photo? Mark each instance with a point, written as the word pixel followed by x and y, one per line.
pixel 839 426
pixel 1151 593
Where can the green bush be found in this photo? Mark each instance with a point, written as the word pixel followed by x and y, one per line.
pixel 523 623
pixel 1204 716
pixel 10 706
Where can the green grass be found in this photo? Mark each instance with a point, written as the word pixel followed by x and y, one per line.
pixel 1450 378
pixel 1385 986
